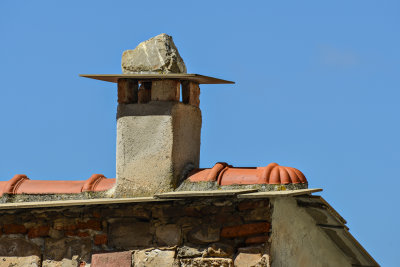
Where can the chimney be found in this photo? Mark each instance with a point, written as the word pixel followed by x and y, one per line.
pixel 158 135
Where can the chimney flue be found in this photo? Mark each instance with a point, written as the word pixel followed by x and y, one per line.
pixel 158 137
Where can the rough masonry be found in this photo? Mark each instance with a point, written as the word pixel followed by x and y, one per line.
pixel 200 232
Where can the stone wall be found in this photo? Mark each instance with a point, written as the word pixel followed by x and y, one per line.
pixel 202 232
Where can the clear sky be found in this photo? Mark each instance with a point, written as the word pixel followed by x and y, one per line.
pixel 317 88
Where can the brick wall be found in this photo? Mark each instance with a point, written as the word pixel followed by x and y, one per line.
pixel 203 232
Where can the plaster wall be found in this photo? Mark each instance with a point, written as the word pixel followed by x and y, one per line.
pixel 297 241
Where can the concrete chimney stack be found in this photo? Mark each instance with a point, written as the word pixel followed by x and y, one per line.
pixel 158 131
pixel 156 140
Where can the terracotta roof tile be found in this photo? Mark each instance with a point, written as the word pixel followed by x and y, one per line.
pixel 224 174
pixel 21 184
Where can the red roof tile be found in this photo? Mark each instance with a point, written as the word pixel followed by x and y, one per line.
pixel 21 184
pixel 222 173
pixel 225 174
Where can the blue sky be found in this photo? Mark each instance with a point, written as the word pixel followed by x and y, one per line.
pixel 317 88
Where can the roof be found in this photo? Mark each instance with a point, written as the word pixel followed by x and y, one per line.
pixel 169 196
pixel 148 77
pixel 222 173
pixel 239 193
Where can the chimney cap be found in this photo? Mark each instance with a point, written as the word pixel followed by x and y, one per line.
pixel 201 79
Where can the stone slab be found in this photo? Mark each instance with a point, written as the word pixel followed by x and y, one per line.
pixel 247 259
pixel 74 262
pixel 285 193
pixel 208 193
pixel 80 202
pixel 155 258
pixel 29 261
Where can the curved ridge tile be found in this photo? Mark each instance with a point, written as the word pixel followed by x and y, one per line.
pixel 284 175
pixel 293 175
pixel 91 183
pixel 104 184
pixel 12 186
pixel 225 174
pixel 38 187
pixel 21 184
pixel 207 175
pixel 300 175
pixel 239 176
pixel 216 170
pixel 275 177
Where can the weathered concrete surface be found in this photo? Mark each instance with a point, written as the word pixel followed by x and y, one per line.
pixel 297 241
pixel 156 55
pixel 157 143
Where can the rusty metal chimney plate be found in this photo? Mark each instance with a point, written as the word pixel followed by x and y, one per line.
pixel 201 79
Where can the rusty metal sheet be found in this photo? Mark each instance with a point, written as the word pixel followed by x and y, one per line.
pixel 202 79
